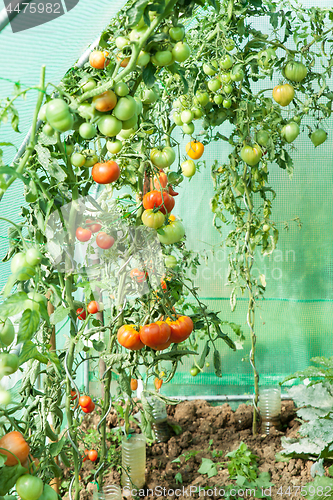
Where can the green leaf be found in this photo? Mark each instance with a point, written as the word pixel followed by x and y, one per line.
pixel 208 467
pixel 59 314
pixel 98 345
pixel 148 75
pixel 204 355
pixel 55 448
pixel 11 171
pixel 135 13
pixel 13 305
pixel 178 478
pixel 30 351
pixel 256 3
pixel 9 476
pixel 217 363
pixel 28 325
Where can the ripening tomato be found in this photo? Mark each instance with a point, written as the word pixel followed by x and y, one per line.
pixel 153 219
pixel 158 383
pixel 83 234
pixel 283 94
pixel 93 226
pixel 104 240
pixel 14 442
pixel 89 409
pixel 73 395
pixel 159 181
pixel 134 384
pixel 93 307
pixel 250 155
pixel 138 276
pixel 163 158
pixel 194 149
pixel 78 160
pixel 29 487
pixel 181 328
pixel 85 401
pixel 153 199
pixel 188 168
pixel 105 102
pixel 104 173
pixel 92 455
pixel 81 313
pixel 129 337
pixel 172 233
pixel 98 59
pixel 155 334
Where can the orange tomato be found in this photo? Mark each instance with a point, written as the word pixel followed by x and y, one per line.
pixel 194 149
pixel 89 408
pixel 158 383
pixel 155 334
pixel 181 329
pixel 137 275
pixel 134 384
pixel 105 102
pixel 129 337
pixel 92 455
pixel 14 443
pixel 98 59
pixel 124 60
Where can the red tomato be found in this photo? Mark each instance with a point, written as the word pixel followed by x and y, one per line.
pixel 155 334
pixel 104 240
pixel 93 226
pixel 81 313
pixel 85 401
pixel 73 395
pixel 153 199
pixel 83 234
pixel 92 455
pixel 139 276
pixel 104 173
pixel 85 455
pixel 93 307
pixel 89 408
pixel 181 329
pixel 14 442
pixel 129 337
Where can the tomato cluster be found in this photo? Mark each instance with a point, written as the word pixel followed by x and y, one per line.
pixel 91 455
pixel 87 404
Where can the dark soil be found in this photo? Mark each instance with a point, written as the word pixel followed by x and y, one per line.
pixel 201 423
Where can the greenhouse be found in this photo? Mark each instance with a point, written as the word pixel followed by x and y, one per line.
pixel 166 249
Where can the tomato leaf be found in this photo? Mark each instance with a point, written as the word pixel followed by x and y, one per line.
pixel 59 314
pixel 204 355
pixel 225 337
pixel 217 363
pixel 13 305
pixel 28 325
pixel 9 476
pixel 55 448
pixel 11 171
pixel 30 351
pixel 99 346
pixel 148 75
pixel 256 3
pixel 135 13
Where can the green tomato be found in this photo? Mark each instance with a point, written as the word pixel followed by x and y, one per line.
pixel 177 33
pixel 163 158
pixel 78 160
pixel 114 147
pixel 228 88
pixel 88 84
pixel 138 105
pixel 5 398
pixel 122 41
pixel 59 116
pixel 137 33
pixel 266 228
pixel 29 487
pixel 109 125
pixel 149 96
pixel 162 58
pixel 214 84
pixel 237 73
pixel 226 62
pixel 262 137
pixel 203 98
pixel 290 131
pixel 48 130
pixel 127 124
pixel 33 256
pixel 31 304
pixel 90 156
pixel 295 71
pixel 37 297
pixel 177 118
pixel 172 233
pixel 266 57
pixel 126 134
pixel 86 111
pixel 318 137
pixel 21 268
pixel 143 58
pixel 218 99
pixel 194 371
pixel 227 103
pixel 188 168
pixel 225 77
pixel 121 89
pixel 153 219
pixel 210 68
pixel 69 148
pixel 42 112
pixel 188 128
pixel 250 155
pixel 186 116
pixel 197 113
pixel 125 108
pixel 229 45
pixel 170 261
pixel 48 493
pixel 87 131
pixel 181 51
pixel 9 363
pixel 7 332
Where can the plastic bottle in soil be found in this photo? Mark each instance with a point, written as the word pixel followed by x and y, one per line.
pixel 133 458
pixel 108 492
pixel 270 407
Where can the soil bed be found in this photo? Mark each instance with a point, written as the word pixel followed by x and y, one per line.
pixel 202 423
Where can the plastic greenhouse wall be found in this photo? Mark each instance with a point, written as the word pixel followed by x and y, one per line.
pixel 294 322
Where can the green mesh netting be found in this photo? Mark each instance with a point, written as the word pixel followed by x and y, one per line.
pixel 294 322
